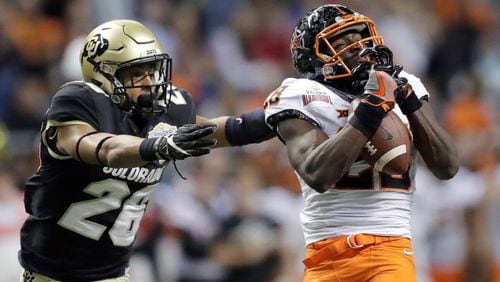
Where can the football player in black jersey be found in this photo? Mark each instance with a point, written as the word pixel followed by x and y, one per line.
pixel 104 144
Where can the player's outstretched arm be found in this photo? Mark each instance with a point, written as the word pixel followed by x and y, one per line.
pixel 248 128
pixel 83 143
pixel 433 143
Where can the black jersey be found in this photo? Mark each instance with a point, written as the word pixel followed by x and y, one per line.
pixel 84 218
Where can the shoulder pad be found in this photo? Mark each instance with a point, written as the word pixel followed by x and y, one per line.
pixel 90 87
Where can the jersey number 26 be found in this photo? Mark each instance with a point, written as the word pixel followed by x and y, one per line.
pixel 110 195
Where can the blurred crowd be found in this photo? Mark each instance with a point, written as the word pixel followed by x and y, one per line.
pixel 236 218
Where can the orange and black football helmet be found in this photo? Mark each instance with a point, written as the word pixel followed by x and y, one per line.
pixel 312 53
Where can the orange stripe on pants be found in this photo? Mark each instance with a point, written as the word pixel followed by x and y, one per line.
pixel 364 258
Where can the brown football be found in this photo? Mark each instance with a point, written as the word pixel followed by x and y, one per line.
pixel 388 150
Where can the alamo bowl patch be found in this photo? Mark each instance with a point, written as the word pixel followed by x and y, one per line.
pixel 161 129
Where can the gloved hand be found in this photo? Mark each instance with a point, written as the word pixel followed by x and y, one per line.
pixel 406 97
pixel 187 141
pixel 375 94
pixel 360 76
pixel 381 58
pixel 376 101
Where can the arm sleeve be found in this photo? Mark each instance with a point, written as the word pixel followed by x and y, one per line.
pixel 248 128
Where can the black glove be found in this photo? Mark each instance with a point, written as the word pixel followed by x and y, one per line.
pixel 381 58
pixel 360 76
pixel 405 97
pixel 187 141
pixel 372 108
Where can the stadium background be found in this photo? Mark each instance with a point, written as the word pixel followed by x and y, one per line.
pixel 238 212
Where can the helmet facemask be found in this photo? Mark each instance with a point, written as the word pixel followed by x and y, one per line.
pixel 157 100
pixel 334 66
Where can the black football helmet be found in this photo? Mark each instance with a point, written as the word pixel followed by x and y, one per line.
pixel 119 44
pixel 312 54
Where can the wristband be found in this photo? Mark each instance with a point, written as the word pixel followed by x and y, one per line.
pixel 366 119
pixel 147 150
pixel 410 104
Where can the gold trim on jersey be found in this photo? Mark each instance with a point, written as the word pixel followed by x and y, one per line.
pixel 54 123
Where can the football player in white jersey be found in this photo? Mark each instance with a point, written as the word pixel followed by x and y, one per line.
pixel 356 220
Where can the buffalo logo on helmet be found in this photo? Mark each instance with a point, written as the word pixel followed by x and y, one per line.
pixel 95 47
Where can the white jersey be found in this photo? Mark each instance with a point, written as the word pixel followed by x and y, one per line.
pixel 364 200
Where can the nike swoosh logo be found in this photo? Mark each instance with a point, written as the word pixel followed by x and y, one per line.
pixel 408 253
pixel 388 135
